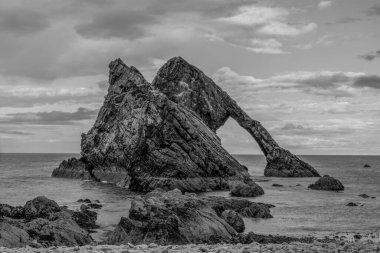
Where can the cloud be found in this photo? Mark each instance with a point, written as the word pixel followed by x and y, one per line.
pixel 324 4
pixel 291 126
pixel 323 41
pixel 60 93
pixel 279 28
pixel 261 46
pixel 371 81
pixel 374 10
pixel 127 24
pixel 370 56
pixel 13 132
pixel 21 21
pixel 226 75
pixel 268 21
pixel 50 118
pixel 323 83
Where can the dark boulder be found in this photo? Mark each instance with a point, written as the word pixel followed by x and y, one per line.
pixel 277 185
pixel 42 223
pixel 88 201
pixel 94 205
pixel 244 207
pixel 234 220
pixel 327 183
pixel 367 166
pixel 170 218
pixel 364 196
pixel 175 218
pixel 40 207
pixel 72 168
pixel 12 236
pixel 352 204
pixel 241 189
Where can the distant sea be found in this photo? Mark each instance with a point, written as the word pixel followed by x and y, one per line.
pixel 298 211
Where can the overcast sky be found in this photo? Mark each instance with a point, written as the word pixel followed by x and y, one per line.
pixel 309 70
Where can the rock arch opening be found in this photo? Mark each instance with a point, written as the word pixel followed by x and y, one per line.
pixel 236 140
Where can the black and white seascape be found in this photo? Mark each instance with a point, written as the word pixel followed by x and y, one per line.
pixel 189 126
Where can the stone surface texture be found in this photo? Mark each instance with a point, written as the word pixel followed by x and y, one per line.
pixel 163 135
pixel 175 218
pixel 327 183
pixel 42 223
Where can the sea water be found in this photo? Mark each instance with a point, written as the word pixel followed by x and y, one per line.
pixel 297 211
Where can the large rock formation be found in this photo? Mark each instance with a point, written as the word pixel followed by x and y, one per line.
pixel 42 223
pixel 176 218
pixel 142 140
pixel 189 86
pixel 162 135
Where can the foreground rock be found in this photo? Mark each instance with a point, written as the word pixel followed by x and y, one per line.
pixel 173 218
pixel 187 85
pixel 327 183
pixel 234 220
pixel 142 140
pixel 42 223
pixel 274 247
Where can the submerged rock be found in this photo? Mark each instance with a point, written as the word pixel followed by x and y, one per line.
pixel 176 218
pixel 42 223
pixel 327 183
pixel 352 204
pixel 364 196
pixel 142 140
pixel 367 166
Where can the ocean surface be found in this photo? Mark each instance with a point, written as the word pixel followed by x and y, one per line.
pixel 298 211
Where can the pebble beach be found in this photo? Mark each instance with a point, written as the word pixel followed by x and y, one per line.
pixel 333 247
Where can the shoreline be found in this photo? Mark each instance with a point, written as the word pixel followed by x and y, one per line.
pixel 334 242
pixel 315 246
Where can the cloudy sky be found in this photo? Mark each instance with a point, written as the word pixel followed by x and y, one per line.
pixel 309 70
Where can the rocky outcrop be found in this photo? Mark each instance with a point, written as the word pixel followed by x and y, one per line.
pixel 240 189
pixel 163 135
pixel 176 218
pixel 187 85
pixel 142 140
pixel 42 223
pixel 234 220
pixel 244 207
pixel 327 183
pixel 72 168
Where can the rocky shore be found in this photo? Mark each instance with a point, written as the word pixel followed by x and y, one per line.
pixel 315 246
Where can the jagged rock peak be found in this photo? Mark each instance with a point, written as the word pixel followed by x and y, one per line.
pixel 118 69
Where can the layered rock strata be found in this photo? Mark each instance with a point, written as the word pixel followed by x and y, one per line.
pixel 189 86
pixel 176 218
pixel 41 222
pixel 142 140
pixel 163 135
